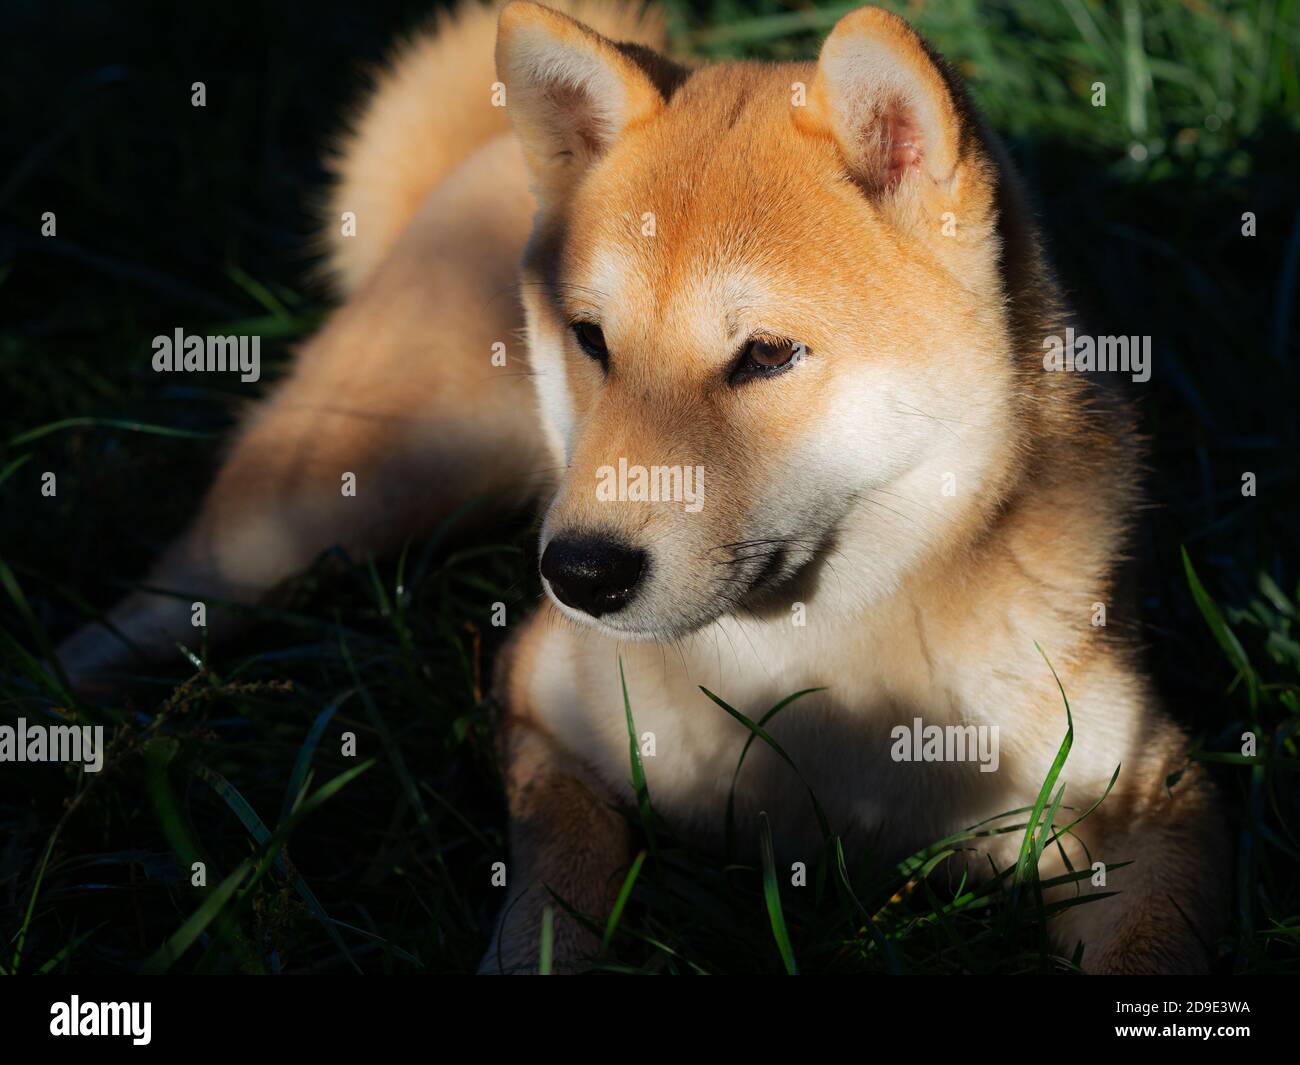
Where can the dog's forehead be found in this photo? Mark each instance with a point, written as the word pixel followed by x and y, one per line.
pixel 723 160
pixel 708 301
pixel 713 204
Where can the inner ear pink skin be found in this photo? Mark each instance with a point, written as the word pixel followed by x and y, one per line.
pixel 902 139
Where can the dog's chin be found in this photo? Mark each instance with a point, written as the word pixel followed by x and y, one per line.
pixel 636 626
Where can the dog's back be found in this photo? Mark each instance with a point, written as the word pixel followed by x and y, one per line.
pixel 432 106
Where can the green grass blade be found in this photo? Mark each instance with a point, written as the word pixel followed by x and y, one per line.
pixel 886 948
pixel 20 941
pixel 639 785
pixel 1226 638
pixel 547 949
pixel 184 937
pixel 624 893
pixel 258 830
pixel 772 897
pixel 1026 864
pixel 67 950
pixel 822 819
pixel 749 740
pixel 107 423
pixel 298 778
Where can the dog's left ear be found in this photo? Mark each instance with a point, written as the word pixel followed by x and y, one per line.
pixel 881 93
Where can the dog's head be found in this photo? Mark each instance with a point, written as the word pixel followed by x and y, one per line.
pixel 764 313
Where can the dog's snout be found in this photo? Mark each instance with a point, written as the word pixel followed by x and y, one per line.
pixel 593 574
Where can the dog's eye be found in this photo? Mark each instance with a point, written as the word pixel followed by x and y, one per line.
pixel 592 340
pixel 763 357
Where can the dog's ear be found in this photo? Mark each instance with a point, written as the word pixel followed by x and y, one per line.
pixel 888 103
pixel 570 92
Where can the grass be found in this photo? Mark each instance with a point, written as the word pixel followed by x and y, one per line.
pixel 319 862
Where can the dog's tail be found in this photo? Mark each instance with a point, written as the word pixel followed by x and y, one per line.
pixel 431 107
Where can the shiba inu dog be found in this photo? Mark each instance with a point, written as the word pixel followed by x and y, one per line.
pixel 788 422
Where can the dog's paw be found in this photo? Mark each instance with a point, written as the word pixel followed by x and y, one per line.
pixel 1151 942
pixel 93 659
pixel 516 947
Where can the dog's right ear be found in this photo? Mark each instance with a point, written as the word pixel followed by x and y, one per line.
pixel 570 92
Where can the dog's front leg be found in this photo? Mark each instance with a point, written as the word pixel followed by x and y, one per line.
pixel 1170 902
pixel 566 840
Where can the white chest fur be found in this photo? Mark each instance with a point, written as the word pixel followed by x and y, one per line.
pixel 844 741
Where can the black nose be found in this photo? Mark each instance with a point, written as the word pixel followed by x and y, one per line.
pixel 592 574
